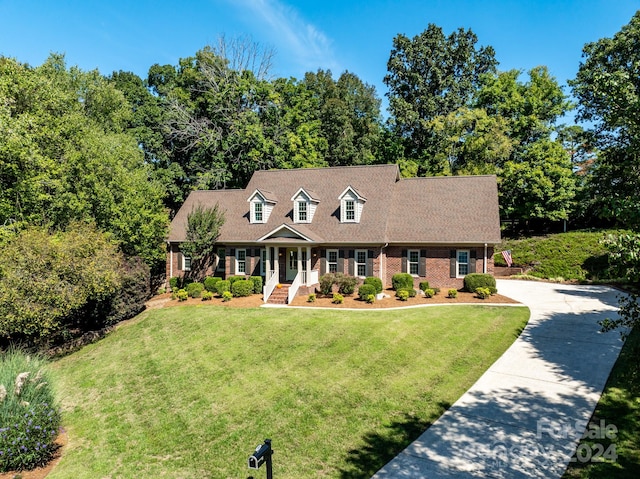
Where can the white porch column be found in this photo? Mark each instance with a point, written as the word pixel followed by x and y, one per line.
pixel 308 265
pixel 299 259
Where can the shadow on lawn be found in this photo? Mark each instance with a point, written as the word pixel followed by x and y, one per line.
pixel 379 447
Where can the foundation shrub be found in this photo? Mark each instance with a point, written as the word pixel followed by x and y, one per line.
pixel 257 284
pixel 365 290
pixel 242 288
pixel 223 286
pixel 473 281
pixel 210 283
pixel 402 281
pixel 376 282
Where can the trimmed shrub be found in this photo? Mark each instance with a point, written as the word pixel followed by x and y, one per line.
pixel 473 281
pixel 411 293
pixel 337 298
pixel 326 283
pixel 365 290
pixel 452 293
pixel 483 293
pixel 429 293
pixel 227 296
pixel 210 283
pixel 242 287
pixel 207 296
pixel 424 285
pixel 371 298
pixel 257 284
pixel 402 281
pixel 311 298
pixel 402 294
pixel 233 279
pixel 175 282
pixel 347 284
pixel 223 287
pixel 376 282
pixel 182 295
pixel 194 290
pixel 29 417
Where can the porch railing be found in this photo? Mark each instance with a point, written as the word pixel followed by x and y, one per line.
pixel 295 286
pixel 270 285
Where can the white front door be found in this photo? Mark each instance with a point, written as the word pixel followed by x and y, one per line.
pixel 292 263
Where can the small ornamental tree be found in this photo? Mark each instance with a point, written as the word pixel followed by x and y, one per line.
pixel 203 231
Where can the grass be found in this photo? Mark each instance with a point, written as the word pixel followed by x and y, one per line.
pixel 619 406
pixel 190 391
pixel 576 255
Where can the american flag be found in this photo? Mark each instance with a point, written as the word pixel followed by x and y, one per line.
pixel 507 257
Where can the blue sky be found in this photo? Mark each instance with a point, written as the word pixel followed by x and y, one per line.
pixel 306 35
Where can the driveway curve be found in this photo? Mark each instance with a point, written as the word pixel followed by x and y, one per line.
pixel 525 415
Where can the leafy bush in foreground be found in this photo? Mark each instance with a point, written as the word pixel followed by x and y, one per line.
pixel 29 419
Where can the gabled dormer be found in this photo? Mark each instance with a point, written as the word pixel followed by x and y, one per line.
pixel 351 205
pixel 261 205
pixel 305 203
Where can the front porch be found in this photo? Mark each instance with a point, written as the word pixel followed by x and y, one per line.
pixel 290 267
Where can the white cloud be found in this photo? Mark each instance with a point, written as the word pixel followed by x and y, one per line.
pixel 292 35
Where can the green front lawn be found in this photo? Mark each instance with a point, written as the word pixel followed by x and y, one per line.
pixel 189 391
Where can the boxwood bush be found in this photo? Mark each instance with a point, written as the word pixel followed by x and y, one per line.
pixel 233 279
pixel 365 290
pixel 257 284
pixel 242 287
pixel 347 284
pixel 473 281
pixel 411 293
pixel 29 417
pixel 402 281
pixel 194 290
pixel 376 282
pixel 326 283
pixel 223 286
pixel 210 283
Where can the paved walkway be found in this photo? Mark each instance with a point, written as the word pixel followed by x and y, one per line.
pixel 524 417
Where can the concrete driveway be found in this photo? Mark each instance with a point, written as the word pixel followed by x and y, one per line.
pixel 524 417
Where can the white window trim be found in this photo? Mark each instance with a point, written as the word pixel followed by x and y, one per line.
pixel 354 203
pixel 254 217
pixel 300 202
pixel 329 263
pixel 184 263
pixel 238 272
pixel 458 263
pixel 356 264
pixel 417 263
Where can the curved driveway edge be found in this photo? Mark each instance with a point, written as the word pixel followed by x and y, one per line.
pixel 525 415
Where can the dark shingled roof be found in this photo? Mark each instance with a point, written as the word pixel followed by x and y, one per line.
pixel 454 209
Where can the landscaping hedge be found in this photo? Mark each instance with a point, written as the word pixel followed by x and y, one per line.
pixel 473 281
pixel 402 281
pixel 242 287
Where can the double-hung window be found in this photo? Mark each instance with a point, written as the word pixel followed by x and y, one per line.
pixel 257 212
pixel 361 263
pixel 302 211
pixel 413 260
pixel 350 210
pixel 462 263
pixel 241 261
pixel 186 263
pixel 332 260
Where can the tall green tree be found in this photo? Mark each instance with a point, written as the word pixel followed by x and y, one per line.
pixel 66 156
pixel 203 231
pixel 607 87
pixel 430 76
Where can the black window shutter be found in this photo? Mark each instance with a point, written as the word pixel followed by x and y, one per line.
pixel 472 261
pixel 452 263
pixel 422 265
pixel 323 265
pixel 351 265
pixel 352 253
pixel 341 253
pixel 370 256
pixel 232 252
pixel 404 260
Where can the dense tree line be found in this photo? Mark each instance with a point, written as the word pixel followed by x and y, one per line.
pixel 121 153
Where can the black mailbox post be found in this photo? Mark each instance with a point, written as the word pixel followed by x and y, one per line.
pixel 262 455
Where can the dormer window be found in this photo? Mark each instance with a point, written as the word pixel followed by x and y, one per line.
pixel 257 212
pixel 304 206
pixel 351 205
pixel 350 210
pixel 302 212
pixel 261 204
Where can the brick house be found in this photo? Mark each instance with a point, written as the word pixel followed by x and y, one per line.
pixel 292 226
